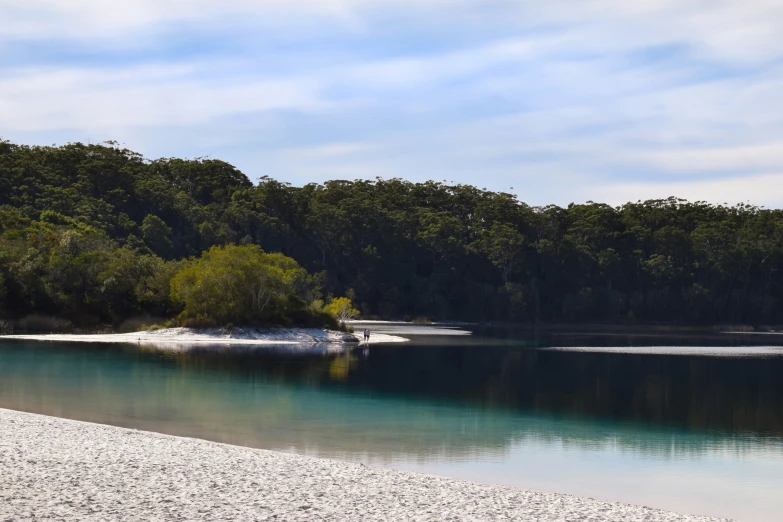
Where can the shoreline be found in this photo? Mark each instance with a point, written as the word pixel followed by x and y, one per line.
pixel 64 469
pixel 223 336
pixel 703 351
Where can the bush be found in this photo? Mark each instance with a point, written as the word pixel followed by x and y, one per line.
pixel 138 324
pixel 240 284
pixel 152 327
pixel 199 322
pixel 342 309
pixel 309 318
pixel 43 323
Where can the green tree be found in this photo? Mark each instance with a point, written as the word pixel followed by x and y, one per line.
pixel 502 245
pixel 157 235
pixel 342 309
pixel 236 284
pixel 98 231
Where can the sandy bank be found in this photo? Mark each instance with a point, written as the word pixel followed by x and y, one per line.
pixel 400 328
pixel 53 468
pixel 249 336
pixel 707 351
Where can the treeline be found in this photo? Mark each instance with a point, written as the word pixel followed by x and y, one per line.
pixel 97 231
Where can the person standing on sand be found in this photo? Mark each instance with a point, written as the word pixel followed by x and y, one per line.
pixel 366 335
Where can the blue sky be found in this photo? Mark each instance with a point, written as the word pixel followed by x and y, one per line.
pixel 602 100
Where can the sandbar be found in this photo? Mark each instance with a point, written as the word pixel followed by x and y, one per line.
pixel 246 336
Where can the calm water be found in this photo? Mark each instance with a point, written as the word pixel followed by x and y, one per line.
pixel 694 433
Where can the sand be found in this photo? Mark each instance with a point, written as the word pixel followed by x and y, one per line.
pixel 707 351
pixel 53 468
pixel 191 336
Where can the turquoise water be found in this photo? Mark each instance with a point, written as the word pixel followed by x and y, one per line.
pixel 689 433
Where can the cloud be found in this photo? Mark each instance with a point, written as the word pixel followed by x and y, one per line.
pixel 100 19
pixel 565 101
pixel 148 95
pixel 330 150
pixel 710 159
pixel 757 189
pixel 716 28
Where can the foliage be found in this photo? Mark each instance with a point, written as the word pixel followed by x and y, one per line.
pixel 238 284
pixel 96 233
pixel 342 309
pixel 157 235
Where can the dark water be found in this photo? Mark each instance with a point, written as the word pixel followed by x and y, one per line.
pixel 694 433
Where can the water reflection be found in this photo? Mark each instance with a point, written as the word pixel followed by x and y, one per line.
pixel 615 426
pixel 231 348
pixel 700 393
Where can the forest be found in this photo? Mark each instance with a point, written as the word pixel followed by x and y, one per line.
pixel 97 234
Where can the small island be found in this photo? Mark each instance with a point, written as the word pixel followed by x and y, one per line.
pixel 98 238
pixel 246 285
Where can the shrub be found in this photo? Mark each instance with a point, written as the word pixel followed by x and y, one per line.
pixel 43 323
pixel 199 322
pixel 152 327
pixel 309 318
pixel 238 284
pixel 342 309
pixel 138 324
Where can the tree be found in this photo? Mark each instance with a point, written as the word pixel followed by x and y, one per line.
pixel 236 284
pixel 3 290
pixel 100 231
pixel 503 246
pixel 441 233
pixel 342 309
pixel 157 235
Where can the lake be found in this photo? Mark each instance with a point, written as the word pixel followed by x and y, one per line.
pixel 614 416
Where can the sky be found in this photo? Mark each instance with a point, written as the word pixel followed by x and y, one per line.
pixel 555 101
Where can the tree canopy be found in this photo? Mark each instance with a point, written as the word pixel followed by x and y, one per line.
pixel 241 284
pixel 97 231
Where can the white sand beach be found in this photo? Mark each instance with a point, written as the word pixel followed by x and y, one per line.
pixel 189 336
pixel 58 469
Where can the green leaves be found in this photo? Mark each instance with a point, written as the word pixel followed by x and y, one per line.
pixel 237 284
pixel 503 246
pixel 157 235
pixel 342 309
pixel 89 229
pixel 205 181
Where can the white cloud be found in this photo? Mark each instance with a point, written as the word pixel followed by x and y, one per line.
pixel 435 68
pixel 330 150
pixel 760 189
pixel 100 18
pixel 751 157
pixel 598 99
pixel 55 98
pixel 725 29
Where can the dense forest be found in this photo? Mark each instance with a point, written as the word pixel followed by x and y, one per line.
pixel 98 234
